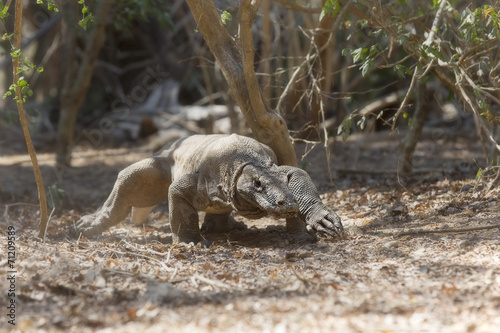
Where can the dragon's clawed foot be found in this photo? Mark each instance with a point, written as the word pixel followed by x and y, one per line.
pixel 325 220
pixel 87 225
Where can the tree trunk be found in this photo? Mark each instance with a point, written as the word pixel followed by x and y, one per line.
pixel 265 37
pixel 77 79
pixel 237 64
pixel 407 148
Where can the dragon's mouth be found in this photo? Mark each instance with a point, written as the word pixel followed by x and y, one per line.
pixel 278 209
pixel 255 207
pixel 284 209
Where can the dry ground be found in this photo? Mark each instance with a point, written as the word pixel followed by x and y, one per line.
pixel 382 277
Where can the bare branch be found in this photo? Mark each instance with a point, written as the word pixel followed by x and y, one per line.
pixel 435 23
pixel 379 103
pixel 24 124
pixel 476 87
pixel 313 53
pixel 479 120
pixel 298 8
pixel 407 96
pixel 428 41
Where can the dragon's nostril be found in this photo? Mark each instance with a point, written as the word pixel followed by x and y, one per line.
pixel 281 202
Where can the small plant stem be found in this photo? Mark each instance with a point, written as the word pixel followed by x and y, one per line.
pixel 24 124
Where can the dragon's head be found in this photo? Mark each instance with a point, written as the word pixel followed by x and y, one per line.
pixel 263 190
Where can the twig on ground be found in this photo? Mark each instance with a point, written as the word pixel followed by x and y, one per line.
pixel 48 221
pixel 130 273
pixel 218 284
pixel 148 250
pixel 297 275
pixel 7 206
pixel 445 231
pixel 162 264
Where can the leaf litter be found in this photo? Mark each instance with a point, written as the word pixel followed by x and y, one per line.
pixel 384 276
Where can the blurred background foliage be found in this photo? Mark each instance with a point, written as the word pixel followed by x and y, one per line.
pixel 329 67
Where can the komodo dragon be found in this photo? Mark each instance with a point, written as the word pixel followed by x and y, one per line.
pixel 215 174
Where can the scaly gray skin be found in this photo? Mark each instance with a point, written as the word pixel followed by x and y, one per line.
pixel 215 174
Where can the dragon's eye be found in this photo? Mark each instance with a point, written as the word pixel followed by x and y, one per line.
pixel 257 183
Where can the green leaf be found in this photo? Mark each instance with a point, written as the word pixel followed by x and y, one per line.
pixel 358 54
pixel 85 21
pixel 367 65
pixel 361 123
pixel 16 53
pixel 226 17
pixel 401 71
pixel 3 13
pixel 345 128
pixel 331 7
pixel 479 175
pixel 22 82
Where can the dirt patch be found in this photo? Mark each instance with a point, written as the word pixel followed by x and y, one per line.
pixel 383 276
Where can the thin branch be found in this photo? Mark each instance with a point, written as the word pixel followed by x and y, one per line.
pixel 395 63
pixel 407 96
pixel 298 8
pixel 24 124
pixel 435 23
pixel 466 54
pixel 477 116
pixel 428 41
pixel 379 104
pixel 8 3
pixel 476 87
pixel 311 56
